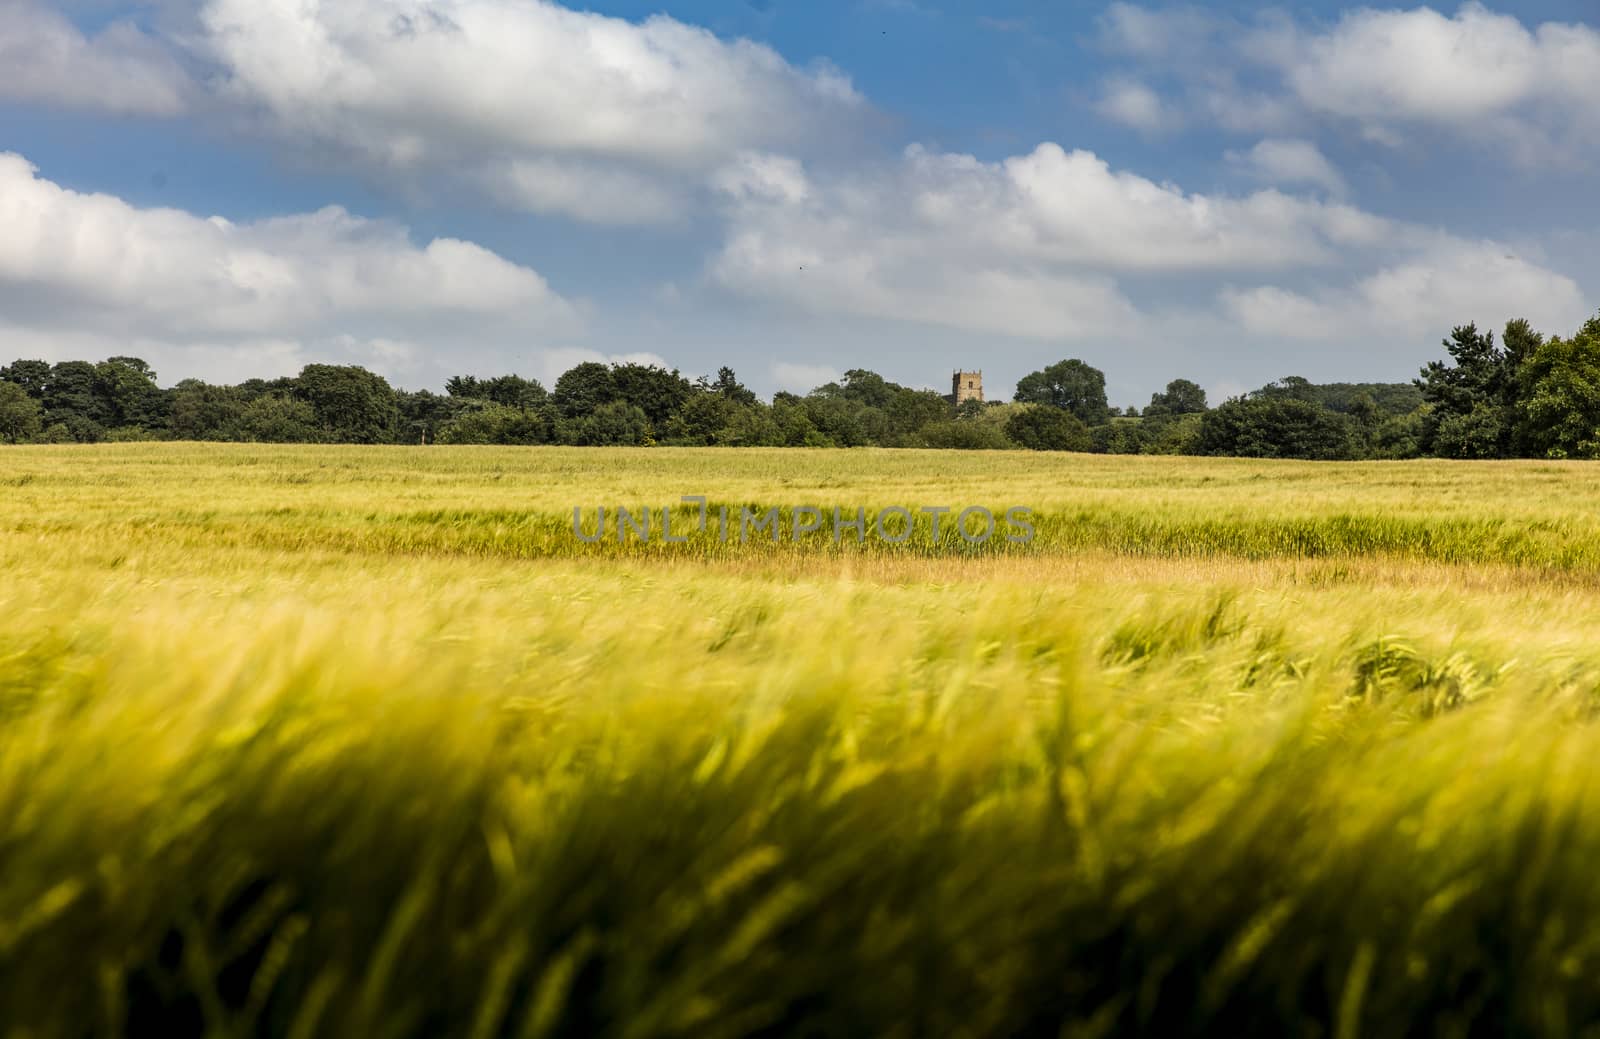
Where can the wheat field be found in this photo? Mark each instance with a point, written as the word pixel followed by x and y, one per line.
pixel 336 741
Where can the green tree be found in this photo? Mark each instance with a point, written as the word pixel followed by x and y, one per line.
pixel 1042 428
pixel 842 421
pixel 793 420
pixel 1519 342
pixel 277 418
pixel 1179 435
pixel 469 387
pixel 616 424
pixel 512 391
pixel 1290 387
pixel 970 410
pixel 752 425
pixel 909 411
pixel 32 376
pixel 652 389
pixel 868 388
pixel 1181 397
pixel 352 405
pixel 129 395
pixel 1558 412
pixel 1275 425
pixel 199 411
pixel 1471 400
pixel 21 417
pixel 702 420
pixel 728 385
pixel 72 398
pixel 1120 436
pixel 423 413
pixel 1071 384
pixel 582 390
pixel 1480 433
pixel 486 422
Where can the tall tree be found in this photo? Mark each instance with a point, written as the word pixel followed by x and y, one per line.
pixel 423 413
pixel 729 386
pixel 21 417
pixel 1470 400
pixel 1073 385
pixel 203 412
pixel 652 389
pixel 868 388
pixel 1559 406
pixel 32 376
pixel 1275 425
pixel 72 399
pixel 617 424
pixel 129 395
pixel 278 418
pixel 1181 397
pixel 583 389
pixel 351 404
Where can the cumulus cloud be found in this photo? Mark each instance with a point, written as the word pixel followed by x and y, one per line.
pixel 552 109
pixel 47 60
pixel 1058 245
pixel 543 108
pixel 1483 76
pixel 1419 64
pixel 92 265
pixel 1028 246
pixel 1416 296
pixel 1289 162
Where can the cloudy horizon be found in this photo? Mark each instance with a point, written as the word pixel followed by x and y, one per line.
pixel 1230 193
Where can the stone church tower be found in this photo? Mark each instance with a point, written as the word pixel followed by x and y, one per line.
pixel 965 386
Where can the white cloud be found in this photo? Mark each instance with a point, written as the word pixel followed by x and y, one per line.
pixel 1287 162
pixel 544 108
pixel 1416 296
pixel 1480 75
pixel 1412 64
pixel 554 110
pixel 46 60
pixel 759 176
pixel 1057 245
pixel 87 265
pixel 1029 246
pixel 1129 29
pixel 1132 103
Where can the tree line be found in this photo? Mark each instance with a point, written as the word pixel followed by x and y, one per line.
pixel 1523 396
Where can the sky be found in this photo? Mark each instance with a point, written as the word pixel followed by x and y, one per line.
pixel 1229 193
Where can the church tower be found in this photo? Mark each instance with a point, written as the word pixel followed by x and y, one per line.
pixel 965 386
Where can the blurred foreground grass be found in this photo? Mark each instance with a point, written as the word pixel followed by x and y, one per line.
pixel 277 757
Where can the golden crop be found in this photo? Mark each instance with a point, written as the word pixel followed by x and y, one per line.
pixel 363 742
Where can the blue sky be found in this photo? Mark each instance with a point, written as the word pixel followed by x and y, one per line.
pixel 1227 192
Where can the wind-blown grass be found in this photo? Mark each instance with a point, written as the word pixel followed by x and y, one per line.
pixel 280 758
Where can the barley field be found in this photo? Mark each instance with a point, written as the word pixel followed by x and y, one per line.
pixel 365 742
